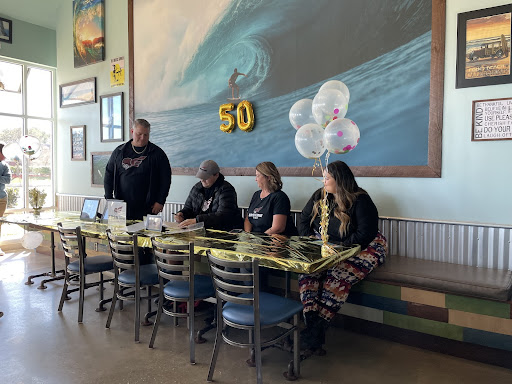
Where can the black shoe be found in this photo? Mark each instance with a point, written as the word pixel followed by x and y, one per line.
pixel 309 335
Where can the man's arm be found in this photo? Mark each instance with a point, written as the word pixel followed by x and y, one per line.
pixel 188 209
pixel 164 178
pixel 108 181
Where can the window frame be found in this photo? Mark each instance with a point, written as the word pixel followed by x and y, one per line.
pixel 25 118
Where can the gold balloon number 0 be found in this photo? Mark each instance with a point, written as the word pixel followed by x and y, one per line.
pixel 243 109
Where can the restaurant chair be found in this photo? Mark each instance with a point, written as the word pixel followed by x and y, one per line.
pixel 241 305
pixel 129 276
pixel 175 264
pixel 76 271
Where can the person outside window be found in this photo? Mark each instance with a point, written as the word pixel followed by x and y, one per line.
pixel 5 178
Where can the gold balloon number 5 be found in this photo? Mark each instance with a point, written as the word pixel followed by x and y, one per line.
pixel 242 110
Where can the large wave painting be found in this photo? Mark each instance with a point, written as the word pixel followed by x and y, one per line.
pixel 186 52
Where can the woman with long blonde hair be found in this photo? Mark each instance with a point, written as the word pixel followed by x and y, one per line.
pixel 353 219
pixel 269 210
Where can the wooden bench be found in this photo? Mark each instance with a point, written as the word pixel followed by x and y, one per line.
pixel 462 310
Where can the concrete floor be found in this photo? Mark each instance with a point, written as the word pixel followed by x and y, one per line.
pixel 40 345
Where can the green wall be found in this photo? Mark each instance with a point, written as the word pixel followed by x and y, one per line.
pixel 31 43
pixel 474 187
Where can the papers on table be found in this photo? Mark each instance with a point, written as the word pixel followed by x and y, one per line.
pixel 174 227
pixel 136 227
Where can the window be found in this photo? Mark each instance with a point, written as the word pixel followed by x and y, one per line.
pixel 27 108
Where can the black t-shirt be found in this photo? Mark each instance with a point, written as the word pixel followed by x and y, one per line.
pixel 134 176
pixel 261 212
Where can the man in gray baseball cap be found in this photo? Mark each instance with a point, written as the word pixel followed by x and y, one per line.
pixel 211 201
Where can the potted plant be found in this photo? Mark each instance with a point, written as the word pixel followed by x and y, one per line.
pixel 36 199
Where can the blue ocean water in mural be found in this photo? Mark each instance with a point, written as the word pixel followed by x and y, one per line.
pixel 389 92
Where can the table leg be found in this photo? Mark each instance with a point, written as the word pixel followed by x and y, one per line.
pixel 53 273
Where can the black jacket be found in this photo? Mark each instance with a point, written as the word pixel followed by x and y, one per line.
pixel 222 213
pixel 363 226
pixel 155 191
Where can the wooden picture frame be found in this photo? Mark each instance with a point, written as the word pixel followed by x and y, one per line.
pixel 78 142
pixel 78 92
pixel 5 31
pixel 99 161
pixel 112 117
pixel 88 32
pixel 492 119
pixel 484 47
pixel 433 161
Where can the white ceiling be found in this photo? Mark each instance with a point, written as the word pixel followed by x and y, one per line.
pixel 38 12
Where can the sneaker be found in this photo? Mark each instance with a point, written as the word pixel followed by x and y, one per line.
pixel 2 253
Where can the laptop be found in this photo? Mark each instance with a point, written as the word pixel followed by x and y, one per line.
pixel 89 209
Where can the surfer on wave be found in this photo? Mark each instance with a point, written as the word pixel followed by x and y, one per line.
pixel 232 84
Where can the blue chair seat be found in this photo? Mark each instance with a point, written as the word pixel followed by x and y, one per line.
pixel 203 288
pixel 93 264
pixel 148 275
pixel 273 309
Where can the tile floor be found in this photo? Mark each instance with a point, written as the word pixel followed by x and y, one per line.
pixel 40 345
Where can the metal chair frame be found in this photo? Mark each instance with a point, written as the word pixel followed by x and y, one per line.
pixel 229 285
pixel 73 245
pixel 125 255
pixel 176 263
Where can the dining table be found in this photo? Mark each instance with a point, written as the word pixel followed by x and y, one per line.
pixel 294 254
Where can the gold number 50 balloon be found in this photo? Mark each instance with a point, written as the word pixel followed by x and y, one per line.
pixel 245 126
pixel 224 116
pixel 243 108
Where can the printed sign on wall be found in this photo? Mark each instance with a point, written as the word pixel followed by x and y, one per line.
pixel 492 119
pixel 117 72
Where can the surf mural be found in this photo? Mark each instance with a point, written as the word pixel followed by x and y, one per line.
pixel 191 57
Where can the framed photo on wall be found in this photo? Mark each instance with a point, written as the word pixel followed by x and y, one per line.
pixel 78 93
pixel 5 30
pixel 112 117
pixel 77 142
pixel 483 47
pixel 99 162
pixel 88 32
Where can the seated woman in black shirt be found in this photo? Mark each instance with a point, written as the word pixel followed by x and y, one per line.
pixel 269 210
pixel 353 219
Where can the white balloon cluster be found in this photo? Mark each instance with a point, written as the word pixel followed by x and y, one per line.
pixel 321 124
pixel 29 146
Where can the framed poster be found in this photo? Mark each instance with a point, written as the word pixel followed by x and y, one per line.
pixel 112 117
pixel 77 134
pixel 5 30
pixel 88 32
pixel 77 93
pixel 99 162
pixel 483 47
pixel 492 119
pixel 396 81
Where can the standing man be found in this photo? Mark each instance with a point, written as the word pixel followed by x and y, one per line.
pixel 233 85
pixel 138 173
pixel 211 201
pixel 5 178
